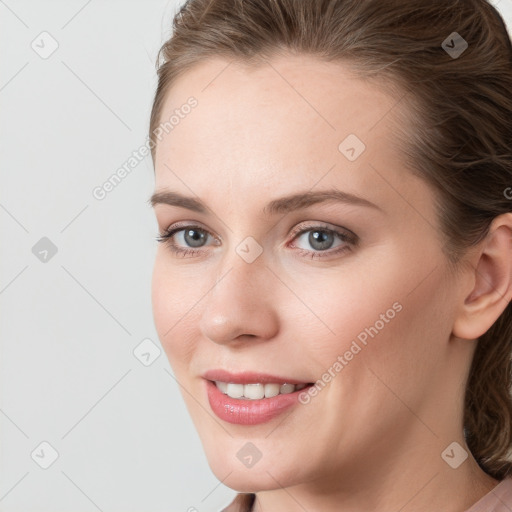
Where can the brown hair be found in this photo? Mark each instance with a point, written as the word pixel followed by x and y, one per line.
pixel 459 109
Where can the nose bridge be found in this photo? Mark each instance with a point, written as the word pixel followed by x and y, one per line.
pixel 243 271
pixel 240 300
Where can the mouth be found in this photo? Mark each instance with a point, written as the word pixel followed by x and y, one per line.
pixel 257 390
pixel 251 399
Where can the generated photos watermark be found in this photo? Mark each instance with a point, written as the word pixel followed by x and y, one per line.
pixel 100 192
pixel 355 348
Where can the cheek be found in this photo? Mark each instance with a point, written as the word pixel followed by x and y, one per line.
pixel 352 305
pixel 173 313
pixel 387 320
pixel 160 297
pixel 399 359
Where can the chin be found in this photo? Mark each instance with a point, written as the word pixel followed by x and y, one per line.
pixel 247 480
pixel 247 476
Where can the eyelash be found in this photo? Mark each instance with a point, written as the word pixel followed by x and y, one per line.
pixel 350 240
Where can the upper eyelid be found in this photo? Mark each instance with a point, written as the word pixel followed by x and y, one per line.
pixel 176 229
pixel 322 225
pixel 301 226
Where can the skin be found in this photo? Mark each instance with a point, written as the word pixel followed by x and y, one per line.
pixel 372 439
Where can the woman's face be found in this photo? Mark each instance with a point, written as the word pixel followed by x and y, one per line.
pixel 346 287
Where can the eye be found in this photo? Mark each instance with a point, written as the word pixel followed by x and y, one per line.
pixel 192 236
pixel 321 238
pixel 187 240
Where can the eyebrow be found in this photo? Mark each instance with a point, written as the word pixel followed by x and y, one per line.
pixel 284 204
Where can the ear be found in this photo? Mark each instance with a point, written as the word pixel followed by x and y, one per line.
pixel 491 282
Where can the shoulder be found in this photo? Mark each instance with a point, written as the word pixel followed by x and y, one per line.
pixel 243 502
pixel 498 499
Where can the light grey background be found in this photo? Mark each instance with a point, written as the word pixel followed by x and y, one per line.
pixel 69 376
pixel 69 326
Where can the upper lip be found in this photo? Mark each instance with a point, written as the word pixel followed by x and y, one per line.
pixel 248 377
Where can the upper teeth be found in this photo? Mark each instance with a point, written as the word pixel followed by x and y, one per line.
pixel 257 390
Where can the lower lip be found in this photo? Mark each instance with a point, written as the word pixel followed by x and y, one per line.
pixel 249 412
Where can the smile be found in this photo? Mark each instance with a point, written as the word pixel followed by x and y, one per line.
pixel 257 407
pixel 257 391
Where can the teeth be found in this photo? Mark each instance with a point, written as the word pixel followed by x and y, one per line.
pixel 271 390
pixel 256 391
pixel 235 390
pixel 222 386
pixel 287 388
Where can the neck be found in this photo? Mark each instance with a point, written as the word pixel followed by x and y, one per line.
pixel 419 480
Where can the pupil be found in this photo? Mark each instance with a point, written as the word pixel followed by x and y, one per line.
pixel 320 237
pixel 194 241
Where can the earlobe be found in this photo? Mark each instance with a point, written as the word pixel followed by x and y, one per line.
pixel 492 277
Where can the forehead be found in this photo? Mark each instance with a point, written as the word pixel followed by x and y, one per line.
pixel 272 123
pixel 299 96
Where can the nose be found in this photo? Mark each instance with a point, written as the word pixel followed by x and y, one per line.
pixel 239 305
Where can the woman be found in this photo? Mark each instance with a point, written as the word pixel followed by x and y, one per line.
pixel 333 197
